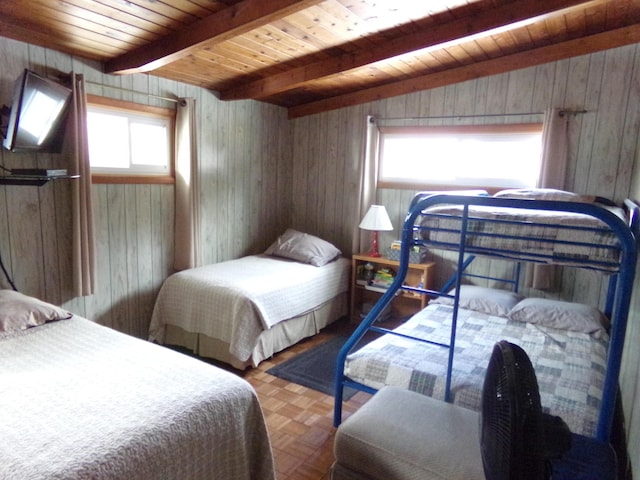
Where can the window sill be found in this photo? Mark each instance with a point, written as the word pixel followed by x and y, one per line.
pixel 98 178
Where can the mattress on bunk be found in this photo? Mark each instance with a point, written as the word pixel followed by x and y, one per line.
pixel 570 366
pixel 235 301
pixel 536 235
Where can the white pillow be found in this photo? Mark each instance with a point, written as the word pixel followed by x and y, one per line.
pixel 492 301
pixel 575 317
pixel 544 194
pixel 19 312
pixel 303 248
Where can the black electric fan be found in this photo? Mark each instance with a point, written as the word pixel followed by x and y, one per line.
pixel 517 440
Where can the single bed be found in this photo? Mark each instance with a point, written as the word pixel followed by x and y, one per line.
pixel 243 311
pixel 444 349
pixel 79 400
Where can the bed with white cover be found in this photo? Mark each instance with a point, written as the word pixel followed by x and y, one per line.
pixel 243 311
pixel 443 350
pixel 79 400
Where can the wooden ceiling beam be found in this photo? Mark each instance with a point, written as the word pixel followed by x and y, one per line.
pixel 506 16
pixel 235 20
pixel 550 53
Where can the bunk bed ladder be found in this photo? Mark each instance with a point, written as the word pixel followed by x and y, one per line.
pixel 456 301
pixel 514 281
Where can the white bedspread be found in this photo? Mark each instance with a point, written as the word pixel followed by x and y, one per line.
pixel 235 301
pixel 81 401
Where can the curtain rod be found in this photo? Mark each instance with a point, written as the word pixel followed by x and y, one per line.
pixel 438 117
pixel 128 90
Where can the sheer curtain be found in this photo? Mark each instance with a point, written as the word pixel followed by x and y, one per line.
pixel 83 240
pixel 368 183
pixel 187 193
pixel 552 175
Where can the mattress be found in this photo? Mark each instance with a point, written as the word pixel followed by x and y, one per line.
pixel 570 366
pixel 235 301
pixel 78 401
pixel 533 235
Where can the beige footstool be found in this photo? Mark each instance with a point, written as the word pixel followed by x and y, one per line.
pixel 402 435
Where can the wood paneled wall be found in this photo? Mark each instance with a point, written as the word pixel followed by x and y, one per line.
pixel 603 148
pixel 245 175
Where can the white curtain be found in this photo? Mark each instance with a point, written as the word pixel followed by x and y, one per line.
pixel 83 240
pixel 187 193
pixel 368 182
pixel 552 175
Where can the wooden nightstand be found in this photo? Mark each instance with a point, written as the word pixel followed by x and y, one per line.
pixel 406 303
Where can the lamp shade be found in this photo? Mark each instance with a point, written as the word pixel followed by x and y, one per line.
pixel 376 219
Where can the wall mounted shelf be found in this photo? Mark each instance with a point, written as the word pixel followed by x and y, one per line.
pixel 32 180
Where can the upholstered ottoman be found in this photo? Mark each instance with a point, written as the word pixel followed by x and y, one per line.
pixel 402 435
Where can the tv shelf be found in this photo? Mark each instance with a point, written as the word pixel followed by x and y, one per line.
pixel 32 180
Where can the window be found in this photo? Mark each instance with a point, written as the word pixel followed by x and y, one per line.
pixel 129 143
pixel 478 156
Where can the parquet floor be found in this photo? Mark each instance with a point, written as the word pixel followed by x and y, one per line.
pixel 299 419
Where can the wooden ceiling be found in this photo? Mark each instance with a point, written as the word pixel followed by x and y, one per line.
pixel 316 55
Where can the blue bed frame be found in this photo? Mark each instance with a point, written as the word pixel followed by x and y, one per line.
pixel 618 299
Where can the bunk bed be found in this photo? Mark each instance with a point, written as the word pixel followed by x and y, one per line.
pixel 80 400
pixel 442 350
pixel 242 311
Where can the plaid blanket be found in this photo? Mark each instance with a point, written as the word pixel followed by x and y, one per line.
pixel 546 236
pixel 569 366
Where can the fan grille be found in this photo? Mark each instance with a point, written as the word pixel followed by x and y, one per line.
pixel 511 431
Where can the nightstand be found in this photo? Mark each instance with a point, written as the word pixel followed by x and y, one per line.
pixel 406 303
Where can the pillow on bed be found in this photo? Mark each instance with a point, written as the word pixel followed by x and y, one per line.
pixel 544 194
pixel 303 248
pixel 19 312
pixel 575 317
pixel 492 301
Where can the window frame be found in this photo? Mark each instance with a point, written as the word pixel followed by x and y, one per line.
pixel 140 110
pixel 535 127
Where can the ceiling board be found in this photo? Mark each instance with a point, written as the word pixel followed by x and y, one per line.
pixel 310 56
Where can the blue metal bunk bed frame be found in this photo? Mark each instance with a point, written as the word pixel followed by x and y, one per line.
pixel 618 294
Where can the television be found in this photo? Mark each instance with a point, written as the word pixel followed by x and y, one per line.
pixel 37 114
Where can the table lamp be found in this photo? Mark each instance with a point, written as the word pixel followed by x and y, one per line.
pixel 376 220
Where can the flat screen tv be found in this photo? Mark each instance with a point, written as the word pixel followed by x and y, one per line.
pixel 36 119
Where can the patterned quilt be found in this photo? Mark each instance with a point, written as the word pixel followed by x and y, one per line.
pixel 569 366
pixel 527 234
pixel 82 401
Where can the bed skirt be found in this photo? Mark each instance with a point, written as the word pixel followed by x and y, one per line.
pixel 277 338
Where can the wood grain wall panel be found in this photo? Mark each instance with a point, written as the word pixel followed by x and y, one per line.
pixel 612 103
pixel 131 254
pixel 117 235
pixel 49 211
pixel 144 268
pixel 102 300
pixel 300 185
pixel 630 370
pixel 159 269
pixel 25 238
